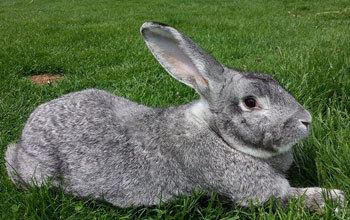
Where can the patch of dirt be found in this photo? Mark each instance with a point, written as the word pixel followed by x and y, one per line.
pixel 45 78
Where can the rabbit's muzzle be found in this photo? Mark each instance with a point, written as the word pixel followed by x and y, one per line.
pixel 296 127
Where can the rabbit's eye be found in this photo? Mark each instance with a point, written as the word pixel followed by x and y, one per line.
pixel 250 102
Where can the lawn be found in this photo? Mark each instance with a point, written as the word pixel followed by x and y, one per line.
pixel 305 45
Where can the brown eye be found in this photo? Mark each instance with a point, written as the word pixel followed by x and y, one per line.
pixel 250 102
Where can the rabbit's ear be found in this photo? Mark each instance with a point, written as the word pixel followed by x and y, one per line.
pixel 181 57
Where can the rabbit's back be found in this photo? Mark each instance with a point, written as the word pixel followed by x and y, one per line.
pixel 90 116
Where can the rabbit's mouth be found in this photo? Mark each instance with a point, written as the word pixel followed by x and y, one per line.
pixel 293 133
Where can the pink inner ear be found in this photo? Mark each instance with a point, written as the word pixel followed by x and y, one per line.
pixel 171 54
pixel 185 71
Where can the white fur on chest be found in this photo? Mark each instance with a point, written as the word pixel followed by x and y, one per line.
pixel 198 113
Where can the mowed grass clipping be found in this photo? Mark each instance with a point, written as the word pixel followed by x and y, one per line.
pixel 96 44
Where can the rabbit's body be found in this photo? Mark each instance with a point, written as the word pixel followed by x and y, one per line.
pixel 103 146
pixel 236 140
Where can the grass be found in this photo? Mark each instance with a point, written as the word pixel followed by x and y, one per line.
pixel 304 45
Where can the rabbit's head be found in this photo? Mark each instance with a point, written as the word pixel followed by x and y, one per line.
pixel 251 112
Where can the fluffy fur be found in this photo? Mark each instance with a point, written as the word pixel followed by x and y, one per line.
pixel 99 145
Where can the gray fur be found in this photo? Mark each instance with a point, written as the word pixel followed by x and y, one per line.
pixel 99 145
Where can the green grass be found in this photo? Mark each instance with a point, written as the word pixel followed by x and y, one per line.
pixel 304 45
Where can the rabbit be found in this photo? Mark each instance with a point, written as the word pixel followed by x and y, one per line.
pixel 236 140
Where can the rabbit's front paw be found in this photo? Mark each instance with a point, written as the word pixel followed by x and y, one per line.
pixel 315 197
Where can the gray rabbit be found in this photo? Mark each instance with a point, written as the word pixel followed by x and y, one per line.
pixel 235 140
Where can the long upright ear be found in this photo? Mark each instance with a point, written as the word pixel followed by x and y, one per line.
pixel 181 57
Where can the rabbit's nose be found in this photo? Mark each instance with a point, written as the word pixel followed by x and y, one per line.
pixel 306 123
pixel 304 117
